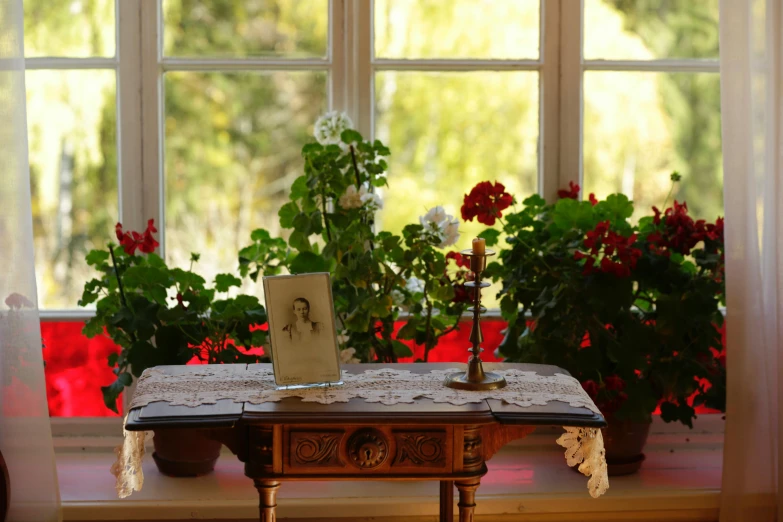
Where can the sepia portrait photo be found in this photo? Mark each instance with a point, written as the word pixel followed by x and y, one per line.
pixel 302 329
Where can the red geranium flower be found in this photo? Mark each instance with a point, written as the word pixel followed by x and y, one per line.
pixel 130 241
pixel 679 232
pixel 614 383
pixel 591 388
pixel 619 254
pixel 571 193
pixel 459 259
pixel 592 199
pixel 486 202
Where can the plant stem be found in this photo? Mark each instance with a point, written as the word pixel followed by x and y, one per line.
pixel 117 276
pixel 427 331
pixel 326 220
pixel 119 285
pixel 356 168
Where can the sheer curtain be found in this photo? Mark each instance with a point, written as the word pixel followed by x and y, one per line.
pixel 25 433
pixel 752 113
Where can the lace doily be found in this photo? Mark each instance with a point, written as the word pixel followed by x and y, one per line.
pixel 208 384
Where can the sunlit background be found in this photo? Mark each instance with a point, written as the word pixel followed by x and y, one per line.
pixel 233 139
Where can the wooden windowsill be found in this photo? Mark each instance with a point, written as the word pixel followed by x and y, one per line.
pixel 527 480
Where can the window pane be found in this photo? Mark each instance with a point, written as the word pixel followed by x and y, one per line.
pixel 449 131
pixel 73 169
pixel 70 28
pixel 641 126
pixel 650 29
pixel 502 29
pixel 239 28
pixel 233 148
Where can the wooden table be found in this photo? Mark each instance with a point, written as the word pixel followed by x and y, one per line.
pixel 295 440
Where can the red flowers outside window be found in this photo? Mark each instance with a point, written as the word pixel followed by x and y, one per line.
pixel 486 202
pixel 131 241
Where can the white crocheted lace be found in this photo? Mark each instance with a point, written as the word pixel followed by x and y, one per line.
pixel 208 384
pixel 585 448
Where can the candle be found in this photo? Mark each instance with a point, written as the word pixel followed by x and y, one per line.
pixel 479 246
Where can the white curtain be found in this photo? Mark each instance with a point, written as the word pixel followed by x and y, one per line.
pixel 752 120
pixel 25 433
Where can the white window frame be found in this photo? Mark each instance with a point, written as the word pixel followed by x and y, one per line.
pixel 351 66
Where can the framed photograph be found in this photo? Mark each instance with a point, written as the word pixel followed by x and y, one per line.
pixel 302 329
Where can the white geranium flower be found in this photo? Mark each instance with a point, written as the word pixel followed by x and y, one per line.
pixel 371 200
pixel 362 197
pixel 415 285
pixel 351 199
pixel 343 337
pixel 330 126
pixel 444 226
pixel 398 298
pixel 347 356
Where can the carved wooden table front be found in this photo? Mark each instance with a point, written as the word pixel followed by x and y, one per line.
pixel 295 440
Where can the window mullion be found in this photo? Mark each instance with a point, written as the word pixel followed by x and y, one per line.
pixel 337 58
pixel 150 85
pixel 358 66
pixel 129 113
pixel 549 100
pixel 570 148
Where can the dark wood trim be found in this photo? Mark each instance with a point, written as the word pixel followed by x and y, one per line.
pixel 480 472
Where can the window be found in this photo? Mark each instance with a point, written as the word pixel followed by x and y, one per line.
pixel 193 112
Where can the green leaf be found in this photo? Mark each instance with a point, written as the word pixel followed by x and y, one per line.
pixel 96 257
pixel 409 330
pixel 143 355
pixel 349 136
pixel 287 213
pixel 225 281
pixel 307 262
pixel 491 236
pixel 618 206
pixel 300 242
pixel 534 201
pixel 401 349
pixel 260 235
pixel 113 391
pixel 113 359
pixel 299 188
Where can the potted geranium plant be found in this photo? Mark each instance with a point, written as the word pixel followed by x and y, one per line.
pixel 632 310
pixel 160 315
pixel 377 277
pixel 167 316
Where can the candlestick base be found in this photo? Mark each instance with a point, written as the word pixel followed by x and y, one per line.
pixel 475 378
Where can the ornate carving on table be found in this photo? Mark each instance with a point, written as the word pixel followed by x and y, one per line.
pixel 422 449
pixel 316 449
pixel 368 449
pixel 262 449
pixel 472 453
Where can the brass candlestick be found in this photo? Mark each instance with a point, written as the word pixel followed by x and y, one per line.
pixel 475 378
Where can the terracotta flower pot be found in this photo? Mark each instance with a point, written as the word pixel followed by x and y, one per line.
pixel 624 442
pixel 184 453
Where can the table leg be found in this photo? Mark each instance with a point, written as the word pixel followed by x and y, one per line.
pixel 267 493
pixel 467 498
pixel 446 501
